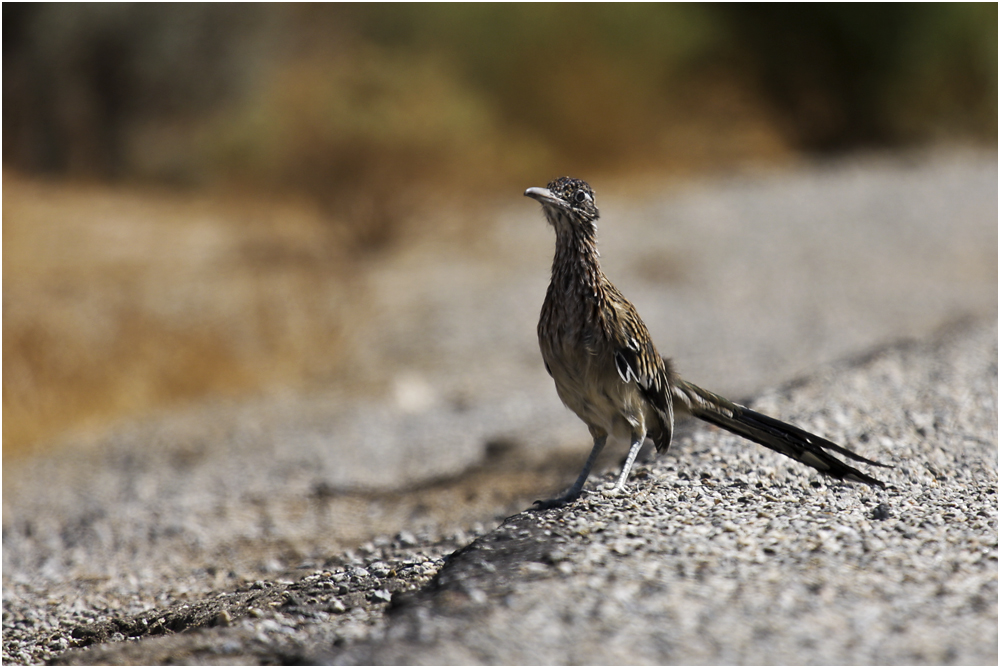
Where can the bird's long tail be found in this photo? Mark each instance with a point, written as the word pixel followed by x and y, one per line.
pixel 779 436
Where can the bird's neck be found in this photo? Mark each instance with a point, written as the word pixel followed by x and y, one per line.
pixel 577 265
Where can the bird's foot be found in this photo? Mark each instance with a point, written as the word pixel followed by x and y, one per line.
pixel 557 502
pixel 617 490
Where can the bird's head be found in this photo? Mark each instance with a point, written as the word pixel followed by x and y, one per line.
pixel 567 201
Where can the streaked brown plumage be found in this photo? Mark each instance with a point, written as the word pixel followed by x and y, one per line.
pixel 607 370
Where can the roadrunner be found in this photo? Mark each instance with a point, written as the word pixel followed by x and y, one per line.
pixel 606 368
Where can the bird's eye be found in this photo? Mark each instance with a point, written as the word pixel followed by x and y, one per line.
pixel 581 197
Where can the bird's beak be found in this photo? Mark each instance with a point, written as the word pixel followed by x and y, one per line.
pixel 543 195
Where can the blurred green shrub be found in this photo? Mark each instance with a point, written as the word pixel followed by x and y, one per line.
pixel 850 75
pixel 367 108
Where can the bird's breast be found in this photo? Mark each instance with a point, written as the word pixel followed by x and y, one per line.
pixel 588 384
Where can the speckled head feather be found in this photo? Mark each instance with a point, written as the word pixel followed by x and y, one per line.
pixel 567 202
pixel 577 194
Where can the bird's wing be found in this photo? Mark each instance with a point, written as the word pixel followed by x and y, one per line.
pixel 637 361
pixel 635 355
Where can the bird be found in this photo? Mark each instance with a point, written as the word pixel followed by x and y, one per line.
pixel 607 370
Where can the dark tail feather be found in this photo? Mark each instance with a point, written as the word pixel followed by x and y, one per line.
pixel 779 436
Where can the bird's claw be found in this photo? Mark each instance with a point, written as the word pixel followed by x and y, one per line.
pixel 557 502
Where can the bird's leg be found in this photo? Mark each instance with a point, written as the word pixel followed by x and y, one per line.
pixel 637 441
pixel 573 492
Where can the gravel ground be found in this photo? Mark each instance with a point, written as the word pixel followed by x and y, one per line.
pixel 245 524
pixel 724 554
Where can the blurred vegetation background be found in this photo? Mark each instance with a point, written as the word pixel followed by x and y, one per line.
pixel 326 133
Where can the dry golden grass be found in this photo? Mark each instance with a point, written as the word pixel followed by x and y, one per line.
pixel 116 302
